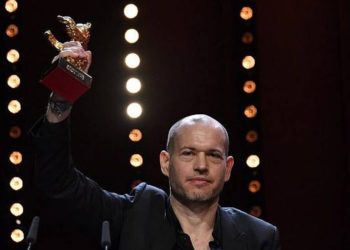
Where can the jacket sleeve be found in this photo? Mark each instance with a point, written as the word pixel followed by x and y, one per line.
pixel 57 177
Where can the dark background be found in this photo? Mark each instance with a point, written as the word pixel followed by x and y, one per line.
pixel 188 66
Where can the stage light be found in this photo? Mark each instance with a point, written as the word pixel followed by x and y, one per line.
pixel 134 110
pixel 255 211
pixel 253 161
pixel 14 106
pixel 133 85
pixel 135 135
pixel 11 5
pixel 249 87
pixel 248 62
pixel 132 60
pixel 136 160
pixel 16 209
pixel 250 111
pixel 247 38
pixel 131 11
pixel 251 136
pixel 246 13
pixel 15 132
pixel 12 56
pixel 17 235
pixel 18 222
pixel 16 183
pixel 254 186
pixel 131 36
pixel 15 157
pixel 12 30
pixel 13 81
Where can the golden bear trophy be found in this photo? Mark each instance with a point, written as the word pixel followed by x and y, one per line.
pixel 66 77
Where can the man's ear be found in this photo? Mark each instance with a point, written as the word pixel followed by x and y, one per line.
pixel 164 160
pixel 229 166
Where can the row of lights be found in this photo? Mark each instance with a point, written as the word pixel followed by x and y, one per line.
pixel 250 111
pixel 133 84
pixel 14 108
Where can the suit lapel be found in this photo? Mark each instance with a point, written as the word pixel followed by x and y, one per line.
pixel 232 237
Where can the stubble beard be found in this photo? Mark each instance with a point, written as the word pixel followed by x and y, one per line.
pixel 191 196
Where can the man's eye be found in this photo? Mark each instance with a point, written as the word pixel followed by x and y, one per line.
pixel 187 153
pixel 215 155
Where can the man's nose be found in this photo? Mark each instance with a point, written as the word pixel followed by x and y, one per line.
pixel 201 163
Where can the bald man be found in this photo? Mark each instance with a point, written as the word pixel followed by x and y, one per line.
pixel 197 165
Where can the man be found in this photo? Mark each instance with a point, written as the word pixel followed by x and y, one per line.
pixel 197 165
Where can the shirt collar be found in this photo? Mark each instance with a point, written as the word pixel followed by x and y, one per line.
pixel 175 222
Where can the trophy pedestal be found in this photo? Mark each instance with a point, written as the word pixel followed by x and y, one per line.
pixel 66 80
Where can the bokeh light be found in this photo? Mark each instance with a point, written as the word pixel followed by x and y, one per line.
pixel 12 30
pixel 17 235
pixel 11 6
pixel 132 60
pixel 16 209
pixel 134 110
pixel 135 135
pixel 14 106
pixel 15 157
pixel 250 111
pixel 131 36
pixel 251 136
pixel 254 186
pixel 15 132
pixel 246 13
pixel 249 87
pixel 256 211
pixel 247 38
pixel 12 56
pixel 13 81
pixel 131 11
pixel 136 160
pixel 16 183
pixel 133 85
pixel 248 62
pixel 253 161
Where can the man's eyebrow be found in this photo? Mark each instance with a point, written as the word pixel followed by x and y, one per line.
pixel 187 147
pixel 215 151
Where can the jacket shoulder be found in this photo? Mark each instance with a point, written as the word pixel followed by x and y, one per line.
pixel 246 222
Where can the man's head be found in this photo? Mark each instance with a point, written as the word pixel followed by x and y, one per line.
pixel 196 161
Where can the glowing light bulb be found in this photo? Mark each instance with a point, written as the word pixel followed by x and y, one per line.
pixel 11 6
pixel 12 56
pixel 16 183
pixel 131 36
pixel 14 106
pixel 253 161
pixel 133 85
pixel 246 13
pixel 15 157
pixel 132 60
pixel 248 62
pixel 134 110
pixel 16 209
pixel 136 160
pixel 17 235
pixel 135 135
pixel 13 81
pixel 131 11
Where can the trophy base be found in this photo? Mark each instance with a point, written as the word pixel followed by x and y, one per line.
pixel 66 80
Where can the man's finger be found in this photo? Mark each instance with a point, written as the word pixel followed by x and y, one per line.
pixel 71 43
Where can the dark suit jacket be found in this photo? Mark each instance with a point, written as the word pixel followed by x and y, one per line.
pixel 138 220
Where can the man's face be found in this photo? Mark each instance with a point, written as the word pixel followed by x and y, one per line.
pixel 198 166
